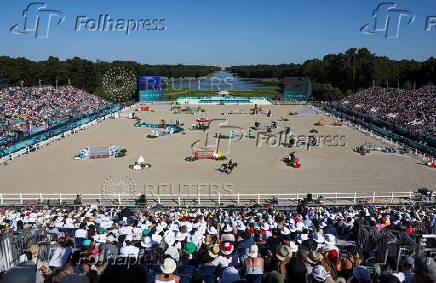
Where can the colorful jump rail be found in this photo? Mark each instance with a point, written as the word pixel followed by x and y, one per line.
pixel 204 154
pixel 155 126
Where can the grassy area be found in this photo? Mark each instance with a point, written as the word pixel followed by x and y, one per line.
pixel 172 94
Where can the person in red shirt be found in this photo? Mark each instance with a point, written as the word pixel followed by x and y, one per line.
pixel 409 228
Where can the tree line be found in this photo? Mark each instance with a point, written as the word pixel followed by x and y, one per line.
pixel 85 74
pixel 339 75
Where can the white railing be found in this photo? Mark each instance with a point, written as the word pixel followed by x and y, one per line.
pixel 207 198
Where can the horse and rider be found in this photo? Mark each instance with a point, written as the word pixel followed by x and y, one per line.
pixel 228 167
pixel 291 158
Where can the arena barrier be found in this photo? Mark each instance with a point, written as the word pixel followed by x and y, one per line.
pixel 204 154
pixel 382 128
pixel 204 197
pixel 56 131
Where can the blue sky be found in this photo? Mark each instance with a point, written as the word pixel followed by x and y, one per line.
pixel 220 32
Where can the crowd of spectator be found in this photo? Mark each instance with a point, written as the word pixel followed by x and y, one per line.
pixel 413 110
pixel 95 244
pixel 22 109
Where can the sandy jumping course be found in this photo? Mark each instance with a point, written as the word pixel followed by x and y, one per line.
pixel 260 169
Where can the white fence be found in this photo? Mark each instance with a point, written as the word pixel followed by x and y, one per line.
pixel 207 199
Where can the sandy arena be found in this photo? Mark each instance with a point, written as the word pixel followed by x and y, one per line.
pixel 260 169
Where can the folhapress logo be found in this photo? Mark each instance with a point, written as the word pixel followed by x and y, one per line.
pixel 38 20
pixel 387 19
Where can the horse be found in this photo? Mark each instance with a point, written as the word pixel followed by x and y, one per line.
pixel 225 167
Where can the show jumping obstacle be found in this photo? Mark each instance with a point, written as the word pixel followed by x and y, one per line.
pixel 99 152
pixel 204 154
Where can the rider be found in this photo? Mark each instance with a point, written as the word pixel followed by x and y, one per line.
pixel 292 156
pixel 229 165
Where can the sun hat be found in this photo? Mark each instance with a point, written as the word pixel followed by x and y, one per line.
pixel 319 273
pixel 330 239
pixel 145 232
pixel 302 237
pixel 34 249
pixel 179 236
pixel 146 242
pixel 156 238
pixel 129 237
pixel 138 237
pixel 253 251
pixel 284 252
pixel 299 226
pixel 314 257
pixel 214 251
pixel 318 238
pixel 173 252
pixel 169 266
pixel 174 227
pixel 100 238
pixel 208 239
pixel 285 230
pixel 227 228
pixel 183 229
pixel 361 274
pixel 169 239
pixel 110 239
pixel 264 226
pixel 190 247
pixel 240 226
pixel 101 231
pixel 227 248
pixel 293 246
pixel 212 230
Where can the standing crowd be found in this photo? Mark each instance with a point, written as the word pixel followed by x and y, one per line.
pixel 22 109
pixel 413 110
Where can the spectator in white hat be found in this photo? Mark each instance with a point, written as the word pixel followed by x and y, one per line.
pixel 168 267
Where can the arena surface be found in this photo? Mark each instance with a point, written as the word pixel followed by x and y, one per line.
pixel 260 169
